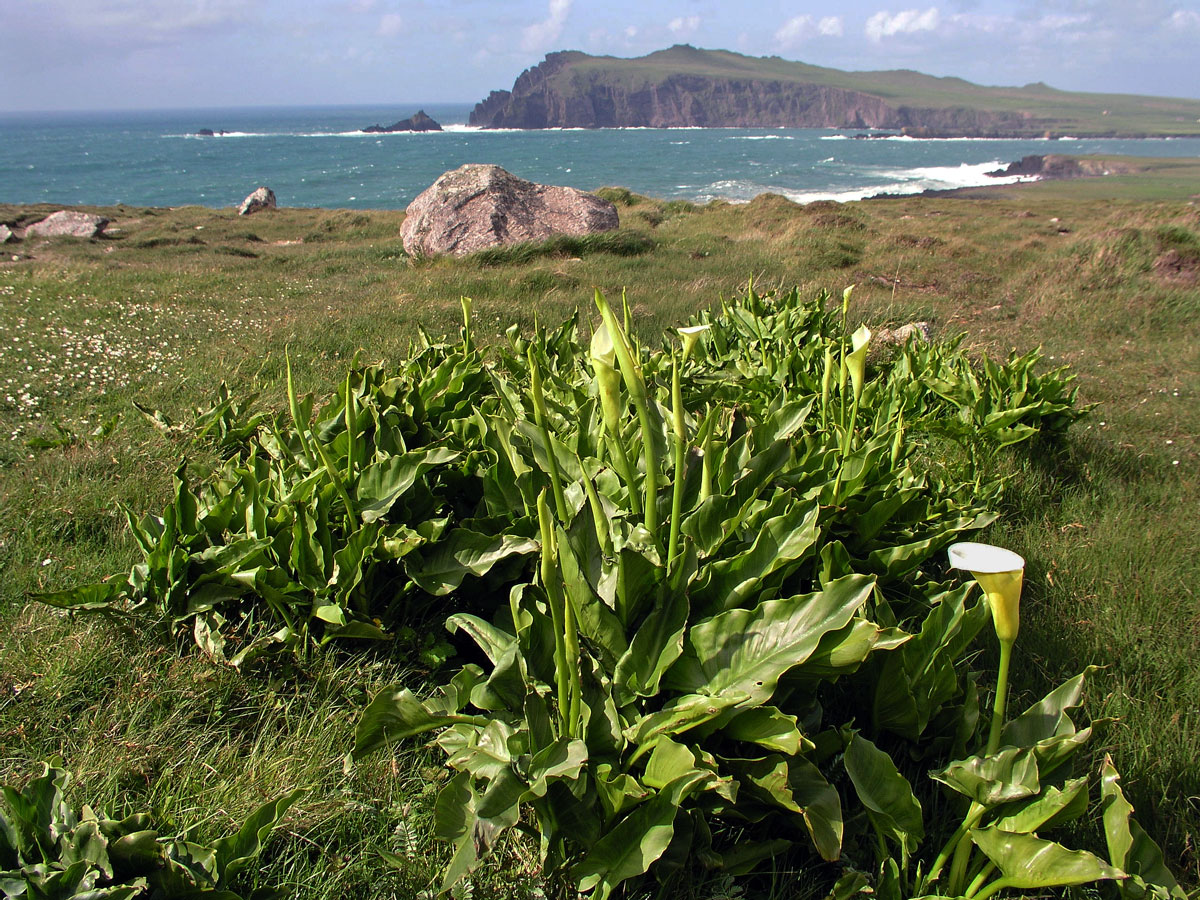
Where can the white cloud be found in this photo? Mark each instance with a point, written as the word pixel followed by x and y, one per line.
pixel 830 26
pixel 884 24
pixel 800 28
pixel 541 34
pixel 683 25
pixel 631 32
pixel 1184 19
pixel 391 24
pixel 793 30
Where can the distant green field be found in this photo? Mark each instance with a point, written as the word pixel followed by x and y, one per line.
pixel 1062 112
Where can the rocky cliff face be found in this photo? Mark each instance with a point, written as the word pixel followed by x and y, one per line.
pixel 557 94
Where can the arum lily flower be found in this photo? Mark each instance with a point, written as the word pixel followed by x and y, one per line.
pixel 690 336
pixel 1000 573
pixel 856 361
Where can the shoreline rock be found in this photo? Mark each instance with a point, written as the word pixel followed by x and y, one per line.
pixel 68 223
pixel 259 199
pixel 419 121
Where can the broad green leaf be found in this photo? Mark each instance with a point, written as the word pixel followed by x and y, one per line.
pixel 88 596
pixel 778 546
pixel 1048 717
pixel 235 852
pixel 820 806
pixel 919 678
pixel 1010 774
pixel 493 641
pixel 1054 805
pixel 381 484
pixel 656 645
pixel 886 794
pixel 1029 862
pixel 768 727
pixel 682 714
pixel 1130 848
pixel 749 649
pixel 393 715
pixel 630 847
pixel 442 568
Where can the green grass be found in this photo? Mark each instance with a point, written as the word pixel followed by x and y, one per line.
pixel 1100 272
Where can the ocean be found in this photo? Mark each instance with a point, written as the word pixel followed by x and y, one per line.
pixel 319 157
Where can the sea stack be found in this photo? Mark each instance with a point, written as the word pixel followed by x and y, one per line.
pixel 417 122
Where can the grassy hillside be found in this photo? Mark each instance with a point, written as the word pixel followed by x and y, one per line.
pixel 1062 112
pixel 1103 274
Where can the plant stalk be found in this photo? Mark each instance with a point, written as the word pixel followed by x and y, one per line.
pixel 539 416
pixel 1001 703
pixel 680 459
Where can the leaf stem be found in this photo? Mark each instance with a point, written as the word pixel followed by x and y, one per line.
pixel 998 885
pixel 539 416
pixel 1001 702
pixel 680 458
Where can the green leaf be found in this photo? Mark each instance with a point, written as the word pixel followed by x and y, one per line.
pixel 463 552
pixel 656 645
pixel 381 484
pixel 779 545
pixel 1130 848
pixel 820 806
pixel 768 727
pixel 629 847
pixel 1048 717
pixel 393 715
pixel 1029 862
pixel 1011 774
pixel 887 795
pixel 1053 806
pixel 89 596
pixel 749 649
pixel 682 714
pixel 235 852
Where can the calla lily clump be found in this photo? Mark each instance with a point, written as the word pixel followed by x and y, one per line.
pixel 692 589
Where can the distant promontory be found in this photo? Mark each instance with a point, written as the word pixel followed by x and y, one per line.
pixel 687 87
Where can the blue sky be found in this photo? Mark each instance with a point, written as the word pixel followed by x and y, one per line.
pixel 130 54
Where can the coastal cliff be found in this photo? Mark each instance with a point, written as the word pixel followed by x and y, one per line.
pixel 683 86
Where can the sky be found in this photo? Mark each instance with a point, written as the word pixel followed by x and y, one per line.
pixel 154 54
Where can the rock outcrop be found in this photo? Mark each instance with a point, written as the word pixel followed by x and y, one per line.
pixel 479 206
pixel 68 223
pixel 208 132
pixel 6 235
pixel 418 122
pixel 1055 165
pixel 260 199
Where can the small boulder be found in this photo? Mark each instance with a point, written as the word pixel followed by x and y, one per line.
pixel 262 198
pixel 479 206
pixel 6 235
pixel 919 331
pixel 68 223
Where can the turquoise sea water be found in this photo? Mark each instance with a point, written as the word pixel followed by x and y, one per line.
pixel 319 157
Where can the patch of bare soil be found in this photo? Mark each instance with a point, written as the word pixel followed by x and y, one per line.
pixel 1177 267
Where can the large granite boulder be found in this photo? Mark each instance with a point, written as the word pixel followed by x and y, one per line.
pixel 6 235
pixel 262 198
pixel 480 206
pixel 68 223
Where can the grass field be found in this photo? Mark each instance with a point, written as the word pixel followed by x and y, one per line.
pixel 1104 274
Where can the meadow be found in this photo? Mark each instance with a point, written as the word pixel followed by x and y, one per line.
pixel 1103 275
